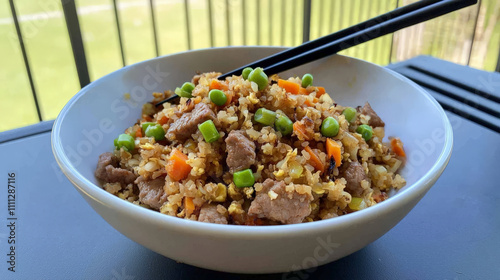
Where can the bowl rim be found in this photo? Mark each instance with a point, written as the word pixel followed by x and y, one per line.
pixel 237 231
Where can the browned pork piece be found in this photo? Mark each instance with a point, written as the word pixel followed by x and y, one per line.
pixel 151 192
pixel 108 170
pixel 354 173
pixel 375 120
pixel 186 125
pixel 286 207
pixel 240 151
pixel 209 214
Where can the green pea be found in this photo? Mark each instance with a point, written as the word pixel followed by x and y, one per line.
pixel 349 113
pixel 307 80
pixel 244 178
pixel 218 97
pixel 246 72
pixel 284 125
pixel 365 131
pixel 330 127
pixel 209 131
pixel 264 116
pixel 259 77
pixel 126 141
pixel 155 131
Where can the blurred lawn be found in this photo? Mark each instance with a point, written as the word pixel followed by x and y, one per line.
pixel 51 58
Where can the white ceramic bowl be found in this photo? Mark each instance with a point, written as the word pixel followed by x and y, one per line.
pixel 90 121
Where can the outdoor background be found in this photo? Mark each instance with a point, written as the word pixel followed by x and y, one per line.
pixel 470 36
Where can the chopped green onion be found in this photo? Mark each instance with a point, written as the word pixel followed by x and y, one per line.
pixel 365 131
pixel 188 87
pixel 259 77
pixel 244 178
pixel 126 141
pixel 209 131
pixel 155 131
pixel 349 113
pixel 146 125
pixel 264 116
pixel 246 72
pixel 307 80
pixel 182 93
pixel 284 125
pixel 218 97
pixel 330 127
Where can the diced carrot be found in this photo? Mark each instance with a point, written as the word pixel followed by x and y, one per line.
pixel 303 91
pixel 216 84
pixel 300 130
pixel 290 87
pixel 314 160
pixel 333 149
pixel 177 167
pixel 311 103
pixel 320 91
pixel 138 132
pixel 397 147
pixel 189 206
pixel 163 120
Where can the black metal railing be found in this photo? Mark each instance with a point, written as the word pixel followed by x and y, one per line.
pixel 329 16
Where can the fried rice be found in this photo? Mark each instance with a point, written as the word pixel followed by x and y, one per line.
pixel 296 179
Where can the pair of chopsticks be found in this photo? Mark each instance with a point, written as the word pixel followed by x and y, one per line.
pixel 352 36
pixel 371 29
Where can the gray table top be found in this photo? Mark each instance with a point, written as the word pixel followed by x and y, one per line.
pixel 453 233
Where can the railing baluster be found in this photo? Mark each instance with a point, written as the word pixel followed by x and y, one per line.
pixel 474 32
pixel 119 31
pixel 306 24
pixel 153 24
pixel 188 27
pixel 75 37
pixel 211 23
pixel 228 24
pixel 244 25
pixel 25 58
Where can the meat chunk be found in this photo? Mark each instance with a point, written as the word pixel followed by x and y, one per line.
pixel 209 214
pixel 240 151
pixel 353 173
pixel 375 120
pixel 286 207
pixel 186 125
pixel 151 192
pixel 108 170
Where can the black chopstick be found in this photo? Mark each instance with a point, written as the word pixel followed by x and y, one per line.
pixel 370 33
pixel 286 54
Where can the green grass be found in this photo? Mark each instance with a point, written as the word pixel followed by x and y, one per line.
pixel 53 68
